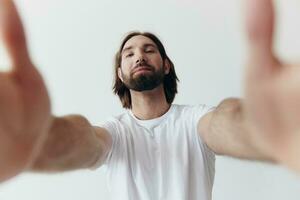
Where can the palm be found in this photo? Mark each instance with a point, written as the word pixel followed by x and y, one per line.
pixel 24 105
pixel 275 103
pixel 272 90
pixel 24 102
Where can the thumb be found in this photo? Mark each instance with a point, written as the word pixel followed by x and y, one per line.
pixel 260 19
pixel 12 34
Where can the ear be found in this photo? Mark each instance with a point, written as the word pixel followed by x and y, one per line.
pixel 120 74
pixel 167 66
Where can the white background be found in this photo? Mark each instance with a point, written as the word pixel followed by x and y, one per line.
pixel 73 44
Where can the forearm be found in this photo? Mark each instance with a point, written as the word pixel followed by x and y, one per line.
pixel 71 144
pixel 229 134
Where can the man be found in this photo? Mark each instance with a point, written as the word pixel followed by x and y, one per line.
pixel 156 150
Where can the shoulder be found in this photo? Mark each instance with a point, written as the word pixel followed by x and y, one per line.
pixel 115 123
pixel 197 110
pixel 117 119
pixel 191 114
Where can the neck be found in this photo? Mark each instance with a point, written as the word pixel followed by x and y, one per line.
pixel 149 104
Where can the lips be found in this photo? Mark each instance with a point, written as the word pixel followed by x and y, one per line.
pixel 142 69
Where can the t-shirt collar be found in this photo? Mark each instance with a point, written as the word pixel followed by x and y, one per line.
pixel 151 123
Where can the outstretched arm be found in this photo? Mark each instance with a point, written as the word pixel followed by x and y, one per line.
pixel 226 131
pixel 72 143
pixel 266 124
pixel 30 138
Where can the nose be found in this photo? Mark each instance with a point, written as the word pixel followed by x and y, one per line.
pixel 140 58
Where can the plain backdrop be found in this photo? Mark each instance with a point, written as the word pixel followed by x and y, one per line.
pixel 73 43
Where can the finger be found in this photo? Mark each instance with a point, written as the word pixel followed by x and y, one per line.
pixel 260 18
pixel 12 34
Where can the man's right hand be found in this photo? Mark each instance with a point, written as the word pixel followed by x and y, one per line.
pixel 24 102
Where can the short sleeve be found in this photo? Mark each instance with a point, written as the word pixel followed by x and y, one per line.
pixel 111 126
pixel 199 112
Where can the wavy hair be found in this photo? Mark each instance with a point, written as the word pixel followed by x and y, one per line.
pixel 170 80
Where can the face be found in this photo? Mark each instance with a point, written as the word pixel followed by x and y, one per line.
pixel 142 67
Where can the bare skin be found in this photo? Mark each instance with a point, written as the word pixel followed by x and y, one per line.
pixel 272 89
pixel 147 104
pixel 30 137
pixel 24 102
pixel 73 143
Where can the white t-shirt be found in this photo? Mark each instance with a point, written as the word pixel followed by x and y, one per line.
pixel 160 159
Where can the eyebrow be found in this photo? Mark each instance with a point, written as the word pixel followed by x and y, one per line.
pixel 144 46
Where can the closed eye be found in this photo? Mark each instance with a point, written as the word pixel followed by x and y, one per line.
pixel 150 51
pixel 129 55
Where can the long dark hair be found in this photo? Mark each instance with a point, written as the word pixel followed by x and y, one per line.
pixel 170 80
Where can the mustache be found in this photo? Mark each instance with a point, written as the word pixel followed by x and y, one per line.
pixel 142 65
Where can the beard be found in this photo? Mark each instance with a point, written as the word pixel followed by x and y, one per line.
pixel 144 81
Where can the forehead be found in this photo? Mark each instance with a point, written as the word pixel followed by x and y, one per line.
pixel 137 41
